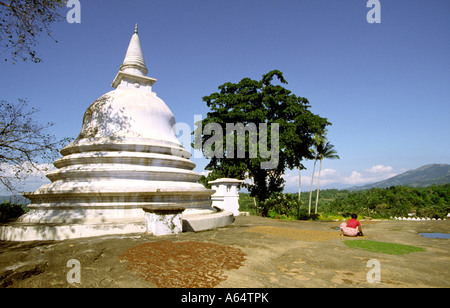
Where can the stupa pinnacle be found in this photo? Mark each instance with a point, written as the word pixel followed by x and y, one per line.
pixel 134 62
pixel 126 159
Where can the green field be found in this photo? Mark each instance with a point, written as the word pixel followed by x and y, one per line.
pixel 383 247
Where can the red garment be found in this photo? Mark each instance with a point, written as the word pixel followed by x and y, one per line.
pixel 353 223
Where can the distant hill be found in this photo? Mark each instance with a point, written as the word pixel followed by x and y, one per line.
pixel 421 177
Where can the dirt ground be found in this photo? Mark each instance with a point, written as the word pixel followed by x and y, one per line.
pixel 254 252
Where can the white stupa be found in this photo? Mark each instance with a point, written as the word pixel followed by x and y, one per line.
pixel 126 158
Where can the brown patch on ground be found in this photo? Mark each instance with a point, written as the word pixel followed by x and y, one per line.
pixel 295 234
pixel 183 264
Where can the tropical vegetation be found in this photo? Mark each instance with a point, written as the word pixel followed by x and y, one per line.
pixel 9 210
pixel 395 201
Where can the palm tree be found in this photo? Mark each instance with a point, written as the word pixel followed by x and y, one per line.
pixel 324 151
pixel 318 140
pixel 299 189
pixel 299 182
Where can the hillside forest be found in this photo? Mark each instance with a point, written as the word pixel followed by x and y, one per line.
pixel 395 201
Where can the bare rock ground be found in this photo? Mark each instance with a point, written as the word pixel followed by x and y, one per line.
pixel 254 252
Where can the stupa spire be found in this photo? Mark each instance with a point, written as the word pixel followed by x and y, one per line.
pixel 133 71
pixel 134 62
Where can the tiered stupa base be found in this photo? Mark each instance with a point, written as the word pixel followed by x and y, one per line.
pixel 101 189
pixel 19 231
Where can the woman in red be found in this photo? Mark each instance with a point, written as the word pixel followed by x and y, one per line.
pixel 352 227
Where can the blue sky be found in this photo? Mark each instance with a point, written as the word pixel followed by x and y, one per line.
pixel 385 87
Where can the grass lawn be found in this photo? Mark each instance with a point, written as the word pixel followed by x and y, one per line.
pixel 388 248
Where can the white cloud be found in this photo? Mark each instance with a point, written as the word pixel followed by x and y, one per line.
pixel 332 178
pixel 327 177
pixel 205 173
pixel 379 169
pixel 329 173
pixel 354 179
pixel 10 170
pixel 374 174
pixel 30 181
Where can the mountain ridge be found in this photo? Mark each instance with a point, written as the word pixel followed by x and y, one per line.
pixel 423 176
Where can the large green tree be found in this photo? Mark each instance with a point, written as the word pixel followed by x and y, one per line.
pixel 248 107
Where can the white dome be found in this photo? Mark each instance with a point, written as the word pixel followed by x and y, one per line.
pixel 129 113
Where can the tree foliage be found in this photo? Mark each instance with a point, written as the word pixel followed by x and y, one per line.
pixel 24 143
pixel 252 101
pixel 21 22
pixel 432 202
pixel 396 201
pixel 10 210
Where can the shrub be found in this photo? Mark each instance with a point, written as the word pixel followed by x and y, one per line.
pixel 279 205
pixel 247 204
pixel 10 210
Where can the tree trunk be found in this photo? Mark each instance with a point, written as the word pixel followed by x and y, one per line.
pixel 299 183
pixel 312 180
pixel 299 191
pixel 318 181
pixel 254 198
